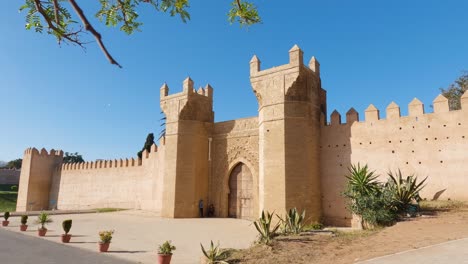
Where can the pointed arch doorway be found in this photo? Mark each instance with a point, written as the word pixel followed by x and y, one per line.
pixel 241 192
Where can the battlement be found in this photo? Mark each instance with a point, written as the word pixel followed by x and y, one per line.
pixel 393 113
pixel 108 164
pixel 43 152
pixel 190 104
pixel 187 91
pixel 296 60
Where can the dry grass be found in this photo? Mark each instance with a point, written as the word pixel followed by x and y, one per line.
pixel 441 205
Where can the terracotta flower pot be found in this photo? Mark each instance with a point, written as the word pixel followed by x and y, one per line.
pixel 104 247
pixel 164 259
pixel 23 227
pixel 66 238
pixel 5 223
pixel 41 232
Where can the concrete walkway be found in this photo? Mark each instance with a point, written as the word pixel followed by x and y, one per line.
pixel 138 234
pixel 452 252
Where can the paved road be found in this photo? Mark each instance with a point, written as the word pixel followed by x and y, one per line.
pixel 17 248
pixel 452 252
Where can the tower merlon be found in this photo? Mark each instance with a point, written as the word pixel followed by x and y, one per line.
pixel 352 116
pixel 335 118
pixel 440 104
pixel 296 56
pixel 254 65
pixel 393 111
pixel 188 86
pixel 372 113
pixel 314 65
pixel 209 91
pixel 164 90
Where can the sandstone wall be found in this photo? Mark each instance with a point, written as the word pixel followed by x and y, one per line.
pixel 233 142
pixel 433 145
pixel 129 183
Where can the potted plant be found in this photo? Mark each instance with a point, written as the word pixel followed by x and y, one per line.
pixel 42 219
pixel 106 237
pixel 24 221
pixel 165 252
pixel 66 225
pixel 6 215
pixel 214 255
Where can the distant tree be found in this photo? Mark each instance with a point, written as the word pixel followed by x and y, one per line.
pixel 14 164
pixel 455 91
pixel 55 17
pixel 72 157
pixel 149 142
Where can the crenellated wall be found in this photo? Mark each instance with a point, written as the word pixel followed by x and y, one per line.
pixel 286 157
pixel 425 144
pixel 48 184
pixel 129 183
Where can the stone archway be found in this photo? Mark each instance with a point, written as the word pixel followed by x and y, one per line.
pixel 240 203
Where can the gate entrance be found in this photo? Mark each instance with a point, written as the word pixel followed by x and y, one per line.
pixel 240 195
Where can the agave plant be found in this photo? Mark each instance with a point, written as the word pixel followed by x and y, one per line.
pixel 215 255
pixel 405 190
pixel 362 181
pixel 293 222
pixel 263 226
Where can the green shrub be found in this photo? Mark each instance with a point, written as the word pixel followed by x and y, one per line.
pixel 263 226
pixel 369 198
pixel 24 219
pixel 67 225
pixel 14 188
pixel 375 208
pixel 293 222
pixel 6 215
pixel 43 218
pixel 215 255
pixel 166 248
pixel 405 190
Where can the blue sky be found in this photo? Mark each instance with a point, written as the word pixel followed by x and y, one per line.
pixel 370 52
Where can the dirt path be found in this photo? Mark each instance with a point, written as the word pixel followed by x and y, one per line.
pixel 358 246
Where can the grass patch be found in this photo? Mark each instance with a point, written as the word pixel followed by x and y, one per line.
pixel 441 205
pixel 8 201
pixel 109 210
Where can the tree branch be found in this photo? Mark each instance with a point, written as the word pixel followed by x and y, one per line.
pixel 93 31
pixel 72 36
pixel 56 13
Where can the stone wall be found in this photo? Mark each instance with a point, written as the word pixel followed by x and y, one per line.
pixel 432 144
pixel 9 176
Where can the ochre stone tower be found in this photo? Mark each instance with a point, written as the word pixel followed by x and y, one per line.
pixel 189 121
pixel 290 101
pixel 37 172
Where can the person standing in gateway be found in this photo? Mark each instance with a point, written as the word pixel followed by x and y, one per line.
pixel 200 207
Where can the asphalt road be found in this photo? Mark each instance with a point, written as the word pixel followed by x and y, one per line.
pixel 16 248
